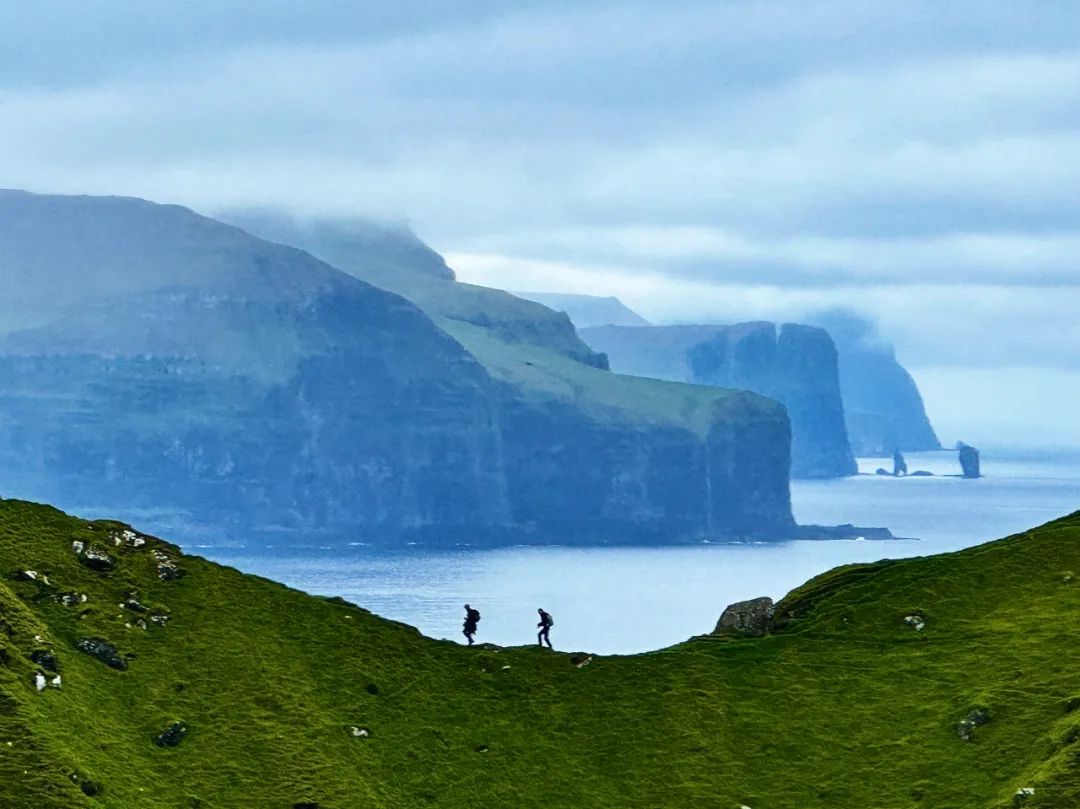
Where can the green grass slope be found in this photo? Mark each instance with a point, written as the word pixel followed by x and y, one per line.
pixel 845 705
pixel 543 375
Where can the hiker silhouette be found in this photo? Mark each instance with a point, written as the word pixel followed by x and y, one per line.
pixel 546 622
pixel 472 618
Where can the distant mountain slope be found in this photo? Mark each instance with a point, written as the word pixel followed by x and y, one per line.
pixel 178 364
pixel 393 258
pixel 884 408
pixel 246 387
pixel 948 682
pixel 590 454
pixel 588 310
pixel 796 365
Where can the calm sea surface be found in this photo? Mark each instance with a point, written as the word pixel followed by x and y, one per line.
pixel 619 600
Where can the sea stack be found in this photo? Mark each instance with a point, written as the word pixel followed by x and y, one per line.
pixel 969 460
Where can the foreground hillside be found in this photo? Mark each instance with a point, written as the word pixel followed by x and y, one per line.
pixel 229 690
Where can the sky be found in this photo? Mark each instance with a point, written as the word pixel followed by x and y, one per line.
pixel 917 162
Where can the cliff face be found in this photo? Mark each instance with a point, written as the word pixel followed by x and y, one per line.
pixel 883 406
pixel 160 364
pixel 797 366
pixel 646 482
pixel 241 383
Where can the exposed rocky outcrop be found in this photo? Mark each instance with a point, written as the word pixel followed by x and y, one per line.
pixel 976 717
pixel 172 735
pixel 899 464
pixel 797 365
pixel 102 650
pixel 969 461
pixel 751 617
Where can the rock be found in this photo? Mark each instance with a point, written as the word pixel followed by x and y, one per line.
pixel 89 788
pixel 55 681
pixel 882 471
pixel 39 681
pixel 172 735
pixel 167 568
pixel 358 732
pixel 1022 795
pixel 159 618
pixel 922 473
pixel 965 729
pixel 899 465
pixel 916 622
pixel 372 689
pixel 748 617
pixel 102 650
pixel 580 661
pixel 129 538
pixel 26 575
pixel 969 461
pixel 132 603
pixel 97 559
pixel 78 546
pixel 72 599
pixel 46 659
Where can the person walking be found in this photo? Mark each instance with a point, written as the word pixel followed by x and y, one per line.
pixel 546 622
pixel 472 618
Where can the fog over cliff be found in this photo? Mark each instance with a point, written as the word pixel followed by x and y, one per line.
pixel 704 162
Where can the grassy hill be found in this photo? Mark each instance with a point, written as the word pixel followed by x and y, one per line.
pixel 291 700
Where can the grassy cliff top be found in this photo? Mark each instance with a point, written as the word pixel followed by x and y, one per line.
pixel 290 700
pixel 543 375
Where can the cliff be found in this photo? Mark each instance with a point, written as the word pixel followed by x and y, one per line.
pixel 154 362
pixel 132 675
pixel 884 408
pixel 797 366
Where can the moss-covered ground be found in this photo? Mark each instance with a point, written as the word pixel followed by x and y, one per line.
pixel 844 705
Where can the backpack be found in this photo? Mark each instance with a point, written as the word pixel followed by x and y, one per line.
pixel 548 620
pixel 474 616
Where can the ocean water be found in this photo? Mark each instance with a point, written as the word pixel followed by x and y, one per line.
pixel 624 600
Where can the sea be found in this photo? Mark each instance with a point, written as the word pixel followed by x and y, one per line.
pixel 620 600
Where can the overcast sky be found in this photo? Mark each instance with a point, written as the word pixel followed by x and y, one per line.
pixel 919 162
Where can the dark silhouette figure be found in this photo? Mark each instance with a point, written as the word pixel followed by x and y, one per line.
pixel 546 622
pixel 472 618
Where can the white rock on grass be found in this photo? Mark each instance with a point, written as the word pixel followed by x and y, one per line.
pixel 916 622
pixel 39 681
pixel 78 546
pixel 55 681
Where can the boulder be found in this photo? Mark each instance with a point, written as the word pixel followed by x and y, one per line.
pixel 96 559
pixel 969 460
pixel 172 735
pixel 965 728
pixel 46 659
pixel 102 650
pixel 751 617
